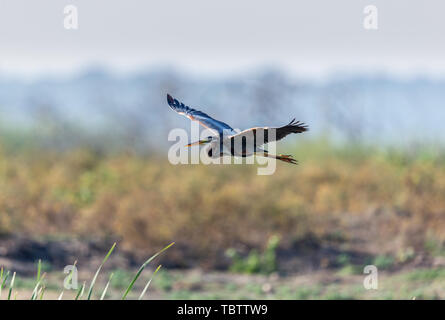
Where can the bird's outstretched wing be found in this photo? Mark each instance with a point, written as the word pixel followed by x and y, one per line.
pixel 263 135
pixel 218 127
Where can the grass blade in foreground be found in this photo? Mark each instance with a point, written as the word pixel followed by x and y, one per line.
pixel 80 292
pixel 39 269
pixel 90 291
pixel 148 283
pixel 11 285
pixel 106 287
pixel 42 292
pixel 3 284
pixel 70 275
pixel 142 268
pixel 1 281
pixel 36 288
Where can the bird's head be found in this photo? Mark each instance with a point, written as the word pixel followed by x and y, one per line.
pixel 203 141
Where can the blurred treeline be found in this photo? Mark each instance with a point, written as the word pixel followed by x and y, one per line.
pixel 108 111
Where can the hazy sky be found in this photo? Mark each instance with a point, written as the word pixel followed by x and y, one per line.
pixel 307 37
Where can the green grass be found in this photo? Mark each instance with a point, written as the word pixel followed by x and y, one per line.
pixel 195 284
pixel 256 262
pixel 90 291
pixel 12 283
pixel 130 286
pixel 121 278
pixel 383 262
pixel 426 275
pixel 164 281
pixel 305 293
pixel 350 269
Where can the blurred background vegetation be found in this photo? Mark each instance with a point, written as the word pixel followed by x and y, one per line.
pixel 84 160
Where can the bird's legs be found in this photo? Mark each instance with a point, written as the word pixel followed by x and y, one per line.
pixel 283 157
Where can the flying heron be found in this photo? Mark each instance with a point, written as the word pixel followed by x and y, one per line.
pixel 225 139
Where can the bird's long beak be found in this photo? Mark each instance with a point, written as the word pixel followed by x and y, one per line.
pixel 198 143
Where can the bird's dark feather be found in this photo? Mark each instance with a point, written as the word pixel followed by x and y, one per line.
pixel 197 115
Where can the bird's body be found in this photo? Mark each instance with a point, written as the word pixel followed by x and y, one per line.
pixel 237 144
pixel 227 146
